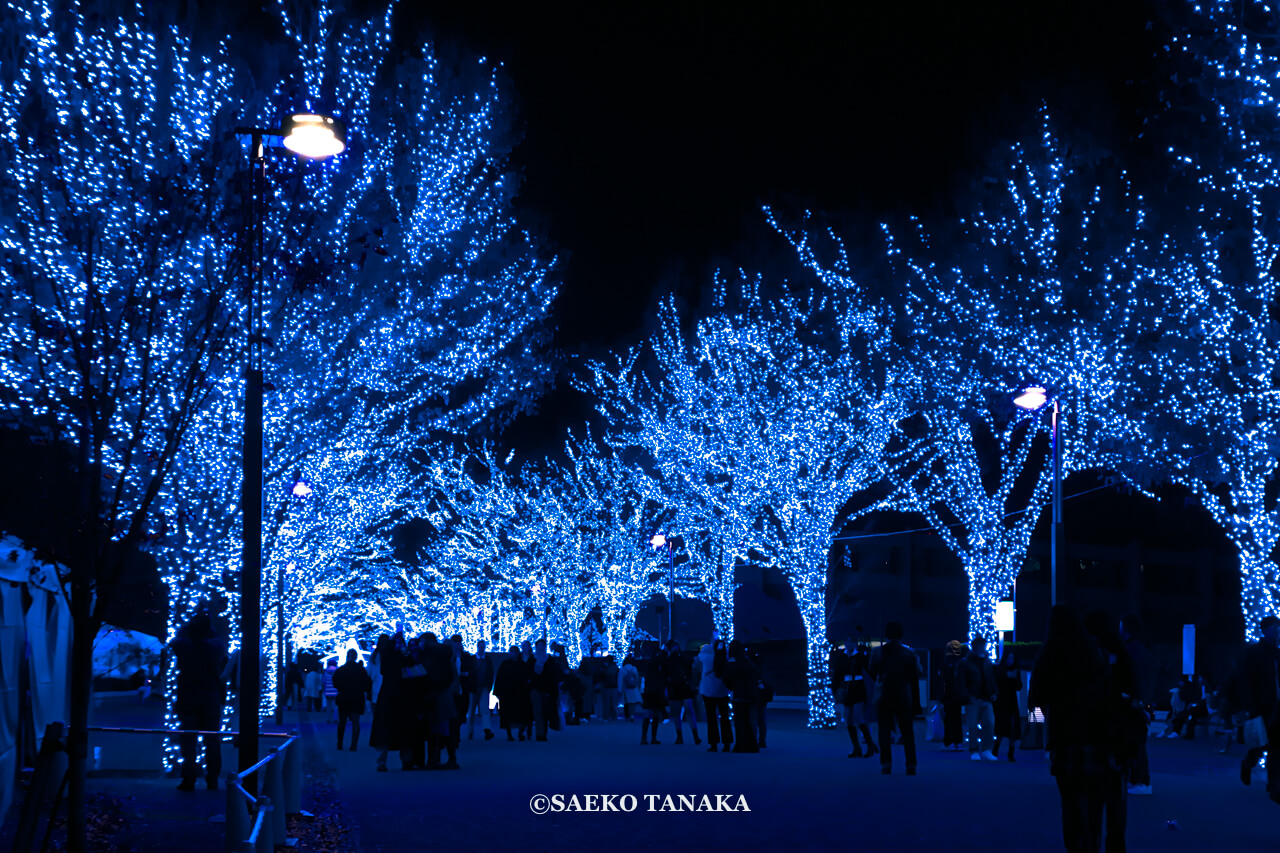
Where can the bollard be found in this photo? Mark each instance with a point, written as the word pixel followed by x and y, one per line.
pixel 237 825
pixel 293 776
pixel 266 844
pixel 273 787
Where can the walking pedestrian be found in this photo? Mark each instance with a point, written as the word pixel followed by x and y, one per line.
pixel 897 672
pixel 715 694
pixel 313 689
pixel 353 685
pixel 293 686
pixel 386 697
pixel 680 692
pixel 330 692
pixel 1008 717
pixel 1070 685
pixel 511 685
pixel 1260 696
pixel 199 699
pixel 980 688
pixel 629 687
pixel 1145 665
pixel 953 697
pixel 607 673
pixel 653 697
pixel 853 697
pixel 478 695
pixel 743 680
pixel 544 685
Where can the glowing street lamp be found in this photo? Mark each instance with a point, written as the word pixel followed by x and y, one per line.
pixel 314 136
pixel 309 136
pixel 1032 399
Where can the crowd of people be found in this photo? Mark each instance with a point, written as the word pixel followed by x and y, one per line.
pixel 1091 681
pixel 423 692
pixel 1094 684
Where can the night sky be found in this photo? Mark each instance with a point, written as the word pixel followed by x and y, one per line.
pixel 652 134
pixel 654 131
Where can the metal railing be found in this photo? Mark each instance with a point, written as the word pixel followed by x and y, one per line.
pixel 254 824
pixel 281 795
pixel 282 790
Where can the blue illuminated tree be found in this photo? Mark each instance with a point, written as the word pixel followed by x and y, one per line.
pixel 421 310
pixel 401 295
pixel 536 550
pixel 1211 385
pixel 116 302
pixel 708 509
pixel 787 406
pixel 614 505
pixel 1041 282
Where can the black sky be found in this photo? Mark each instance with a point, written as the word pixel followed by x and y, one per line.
pixel 654 131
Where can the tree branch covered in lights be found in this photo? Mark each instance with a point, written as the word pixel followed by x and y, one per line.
pixel 409 303
pixel 401 296
pixel 782 410
pixel 1214 379
pixel 1042 284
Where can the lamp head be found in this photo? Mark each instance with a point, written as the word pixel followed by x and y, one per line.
pixel 1031 398
pixel 314 135
pixel 658 540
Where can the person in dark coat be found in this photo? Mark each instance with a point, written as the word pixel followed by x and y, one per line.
pixel 764 695
pixel 897 672
pixel 653 696
pixel 1145 666
pixel 293 686
pixel 980 687
pixel 838 669
pixel 953 697
pixel 446 702
pixel 389 709
pixel 354 686
pixel 743 680
pixel 1260 697
pixel 526 658
pixel 677 676
pixel 851 681
pixel 418 704
pixel 713 658
pixel 544 684
pixel 1008 717
pixel 200 696
pixel 483 673
pixel 511 686
pixel 607 689
pixel 1073 685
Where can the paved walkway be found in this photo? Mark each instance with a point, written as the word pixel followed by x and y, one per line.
pixel 803 794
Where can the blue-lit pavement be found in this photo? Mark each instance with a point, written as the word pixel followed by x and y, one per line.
pixel 803 793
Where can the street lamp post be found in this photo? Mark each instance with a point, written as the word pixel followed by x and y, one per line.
pixel 300 491
pixel 282 688
pixel 309 136
pixel 1032 399
pixel 660 540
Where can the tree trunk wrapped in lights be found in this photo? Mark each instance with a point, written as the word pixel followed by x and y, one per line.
pixel 1037 284
pixel 778 417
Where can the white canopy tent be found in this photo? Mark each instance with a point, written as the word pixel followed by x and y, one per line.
pixel 45 625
